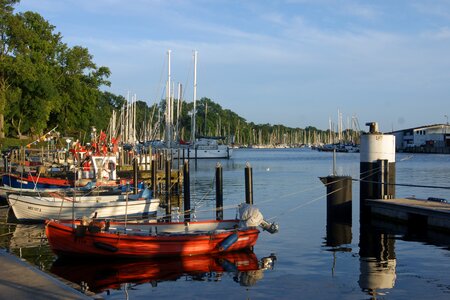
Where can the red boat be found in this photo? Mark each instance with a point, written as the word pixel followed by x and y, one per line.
pixel 107 274
pixel 118 239
pixel 32 181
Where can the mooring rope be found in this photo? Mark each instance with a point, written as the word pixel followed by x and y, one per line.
pixel 405 184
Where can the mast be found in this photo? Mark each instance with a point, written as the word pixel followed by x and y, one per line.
pixel 206 115
pixel 177 133
pixel 168 105
pixel 195 98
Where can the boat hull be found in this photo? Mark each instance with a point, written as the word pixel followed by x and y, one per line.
pixel 35 208
pixel 35 182
pixel 217 152
pixel 65 241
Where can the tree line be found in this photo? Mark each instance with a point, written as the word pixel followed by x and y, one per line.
pixel 46 83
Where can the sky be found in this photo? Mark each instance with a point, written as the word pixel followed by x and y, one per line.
pixel 290 62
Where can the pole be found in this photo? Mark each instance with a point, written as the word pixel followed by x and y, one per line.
pixel 219 192
pixel 154 177
pixel 248 184
pixel 135 175
pixel 168 182
pixel 186 191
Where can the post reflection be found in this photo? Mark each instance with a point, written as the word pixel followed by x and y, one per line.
pixel 377 261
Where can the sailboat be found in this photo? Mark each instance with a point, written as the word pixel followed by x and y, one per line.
pixel 199 147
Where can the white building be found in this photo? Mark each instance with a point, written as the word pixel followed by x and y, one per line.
pixel 436 136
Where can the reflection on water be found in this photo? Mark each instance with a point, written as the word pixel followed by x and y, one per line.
pixel 377 261
pixel 27 236
pixel 98 276
pixel 283 180
pixel 339 234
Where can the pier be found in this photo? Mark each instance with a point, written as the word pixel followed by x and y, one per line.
pixel 20 280
pixel 423 214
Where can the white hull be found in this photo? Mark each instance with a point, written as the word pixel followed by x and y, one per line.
pixel 217 152
pixel 35 208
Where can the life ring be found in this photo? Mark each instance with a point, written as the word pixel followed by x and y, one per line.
pixel 109 166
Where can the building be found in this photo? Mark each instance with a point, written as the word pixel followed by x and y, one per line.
pixel 429 138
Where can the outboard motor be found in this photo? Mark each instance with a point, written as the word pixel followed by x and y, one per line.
pixel 270 227
pixel 250 216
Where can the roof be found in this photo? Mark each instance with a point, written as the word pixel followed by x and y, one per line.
pixel 420 127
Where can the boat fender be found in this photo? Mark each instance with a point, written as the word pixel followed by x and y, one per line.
pixel 228 266
pixel 228 242
pixel 104 246
pixel 80 230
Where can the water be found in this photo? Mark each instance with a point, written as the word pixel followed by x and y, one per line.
pixel 383 261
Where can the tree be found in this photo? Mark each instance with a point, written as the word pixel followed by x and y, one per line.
pixel 28 67
pixel 6 10
pixel 45 82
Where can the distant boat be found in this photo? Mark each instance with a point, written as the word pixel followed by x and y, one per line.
pixel 199 147
pixel 29 207
pixel 203 148
pixel 339 147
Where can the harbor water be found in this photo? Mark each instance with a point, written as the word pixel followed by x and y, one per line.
pixel 310 258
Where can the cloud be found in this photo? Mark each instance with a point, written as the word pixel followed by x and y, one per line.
pixel 367 12
pixel 442 34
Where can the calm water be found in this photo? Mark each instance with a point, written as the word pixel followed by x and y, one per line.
pixel 313 261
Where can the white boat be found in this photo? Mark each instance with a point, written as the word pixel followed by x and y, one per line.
pixel 199 147
pixel 204 147
pixel 58 206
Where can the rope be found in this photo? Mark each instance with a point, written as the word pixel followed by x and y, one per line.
pixel 405 184
pixel 304 204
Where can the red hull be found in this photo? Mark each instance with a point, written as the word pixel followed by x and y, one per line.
pixel 63 241
pixel 103 275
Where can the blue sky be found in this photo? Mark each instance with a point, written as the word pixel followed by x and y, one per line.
pixel 291 62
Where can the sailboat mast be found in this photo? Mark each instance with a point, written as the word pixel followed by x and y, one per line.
pixel 177 133
pixel 195 98
pixel 168 104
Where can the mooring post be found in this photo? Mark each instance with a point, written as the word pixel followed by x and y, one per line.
pixel 154 177
pixel 383 179
pixel 195 157
pixel 339 197
pixel 186 191
pixel 377 178
pixel 339 208
pixel 135 175
pixel 248 184
pixel 168 190
pixel 219 192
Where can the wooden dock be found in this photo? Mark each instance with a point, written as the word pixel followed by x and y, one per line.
pixel 20 280
pixel 417 212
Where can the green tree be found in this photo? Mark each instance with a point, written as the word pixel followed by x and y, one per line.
pixel 29 70
pixel 6 18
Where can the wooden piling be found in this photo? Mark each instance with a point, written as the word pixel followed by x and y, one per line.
pixel 186 191
pixel 154 177
pixel 135 175
pixel 219 192
pixel 248 184
pixel 168 174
